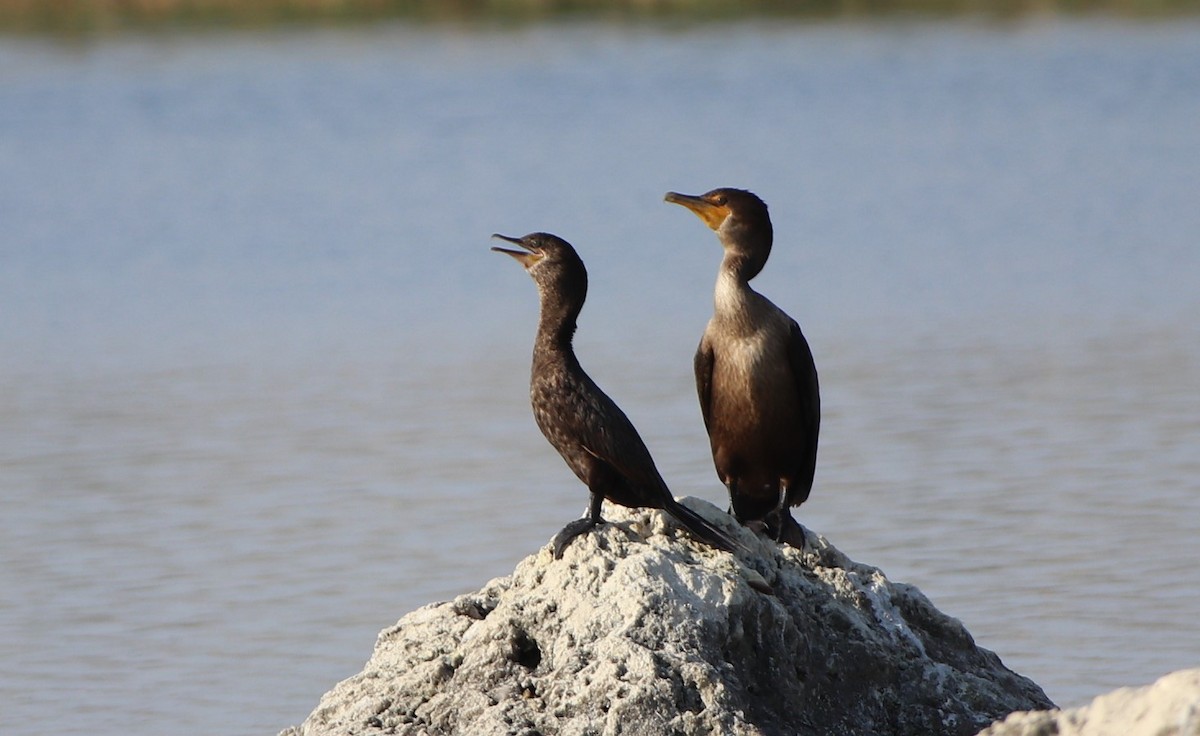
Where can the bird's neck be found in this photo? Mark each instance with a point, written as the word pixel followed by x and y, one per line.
pixel 556 328
pixel 746 247
pixel 738 310
pixel 733 293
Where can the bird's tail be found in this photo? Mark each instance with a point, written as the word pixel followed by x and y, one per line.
pixel 702 528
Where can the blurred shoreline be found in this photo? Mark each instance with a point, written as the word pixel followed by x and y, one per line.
pixel 103 16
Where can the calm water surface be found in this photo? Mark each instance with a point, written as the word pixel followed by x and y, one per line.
pixel 263 387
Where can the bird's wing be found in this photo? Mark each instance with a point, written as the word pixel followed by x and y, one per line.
pixel 804 373
pixel 804 370
pixel 611 438
pixel 703 365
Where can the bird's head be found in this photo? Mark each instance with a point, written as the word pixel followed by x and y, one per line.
pixel 554 265
pixel 739 218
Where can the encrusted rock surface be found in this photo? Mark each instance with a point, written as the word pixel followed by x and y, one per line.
pixel 640 630
pixel 1169 707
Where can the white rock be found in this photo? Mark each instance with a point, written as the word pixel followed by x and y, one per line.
pixel 1169 707
pixel 640 630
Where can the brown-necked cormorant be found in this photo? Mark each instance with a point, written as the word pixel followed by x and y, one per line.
pixel 593 435
pixel 755 374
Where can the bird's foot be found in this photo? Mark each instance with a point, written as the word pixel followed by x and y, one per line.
pixel 790 532
pixel 780 526
pixel 569 532
pixel 758 526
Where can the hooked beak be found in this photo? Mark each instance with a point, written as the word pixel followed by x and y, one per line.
pixel 712 214
pixel 526 259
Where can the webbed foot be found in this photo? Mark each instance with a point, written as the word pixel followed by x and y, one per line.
pixel 569 532
pixel 781 527
pixel 790 532
pixel 758 526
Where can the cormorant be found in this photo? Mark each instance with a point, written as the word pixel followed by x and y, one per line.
pixel 755 374
pixel 593 435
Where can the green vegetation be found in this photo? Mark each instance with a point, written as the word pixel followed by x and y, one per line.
pixel 89 16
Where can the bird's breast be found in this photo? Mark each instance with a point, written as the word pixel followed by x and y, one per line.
pixel 753 389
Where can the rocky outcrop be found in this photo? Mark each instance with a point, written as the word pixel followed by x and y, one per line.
pixel 1169 707
pixel 640 630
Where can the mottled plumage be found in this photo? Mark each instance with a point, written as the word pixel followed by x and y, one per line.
pixel 590 432
pixel 755 374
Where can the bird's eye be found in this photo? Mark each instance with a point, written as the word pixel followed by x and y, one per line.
pixel 720 200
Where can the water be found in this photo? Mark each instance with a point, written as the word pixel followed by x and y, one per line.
pixel 263 387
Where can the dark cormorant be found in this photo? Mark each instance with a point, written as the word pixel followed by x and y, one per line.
pixel 755 374
pixel 593 435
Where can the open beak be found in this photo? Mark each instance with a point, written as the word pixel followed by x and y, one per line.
pixel 712 214
pixel 526 258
